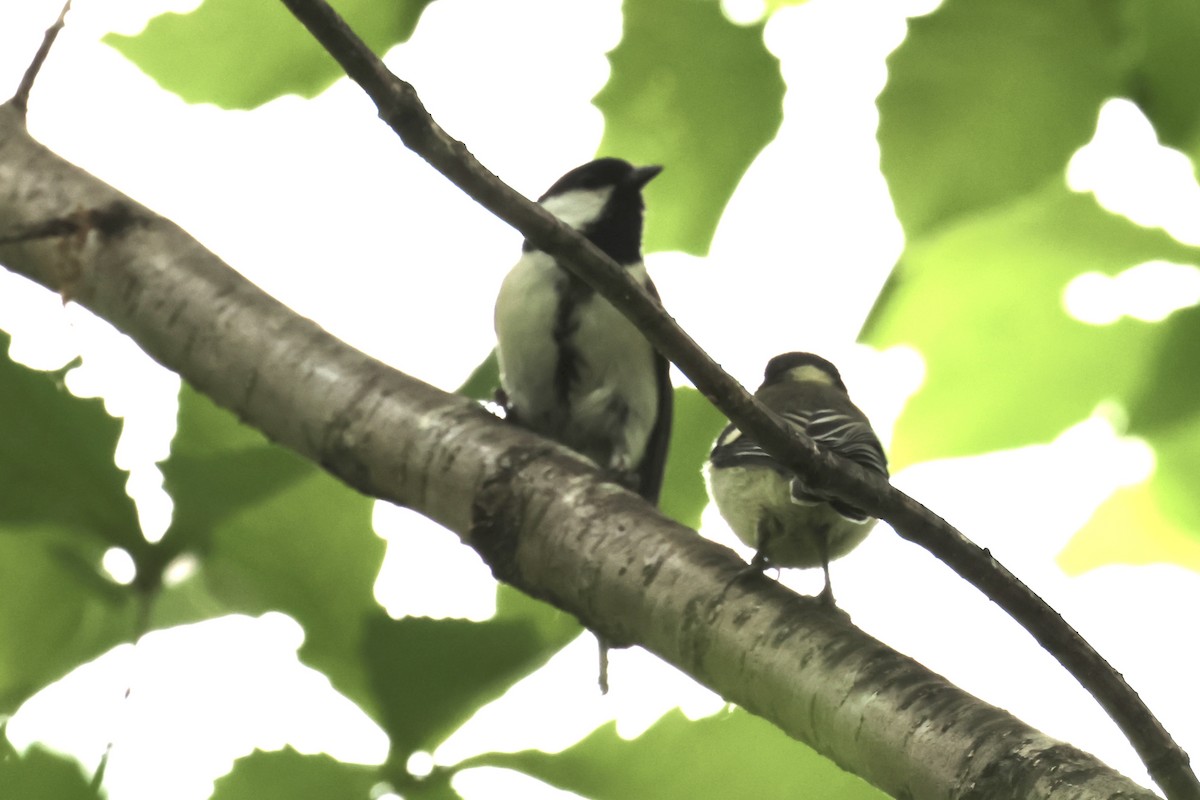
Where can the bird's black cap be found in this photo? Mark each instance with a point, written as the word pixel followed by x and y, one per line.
pixel 617 228
pixel 601 173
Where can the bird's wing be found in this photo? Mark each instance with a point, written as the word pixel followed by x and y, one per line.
pixel 735 449
pixel 845 435
pixel 654 460
pixel 848 436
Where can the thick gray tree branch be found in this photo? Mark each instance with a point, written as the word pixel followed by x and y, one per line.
pixel 538 514
pixel 399 106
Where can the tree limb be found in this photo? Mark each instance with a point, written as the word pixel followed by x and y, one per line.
pixel 399 106
pixel 537 513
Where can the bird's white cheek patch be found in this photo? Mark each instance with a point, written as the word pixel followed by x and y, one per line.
pixel 578 207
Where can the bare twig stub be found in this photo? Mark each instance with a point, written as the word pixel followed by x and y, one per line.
pixel 21 99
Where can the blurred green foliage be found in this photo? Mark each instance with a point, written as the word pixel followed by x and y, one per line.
pixel 984 106
pixel 730 754
pixel 693 91
pixel 39 774
pixel 288 775
pixel 62 505
pixel 242 53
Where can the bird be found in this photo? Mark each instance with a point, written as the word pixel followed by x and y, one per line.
pixel 572 367
pixel 767 505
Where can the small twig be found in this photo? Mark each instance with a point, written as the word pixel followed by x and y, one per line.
pixel 402 109
pixel 21 98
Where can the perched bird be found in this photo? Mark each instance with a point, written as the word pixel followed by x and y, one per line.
pixel 572 367
pixel 765 503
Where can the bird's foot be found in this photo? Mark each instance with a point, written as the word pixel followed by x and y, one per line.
pixel 757 566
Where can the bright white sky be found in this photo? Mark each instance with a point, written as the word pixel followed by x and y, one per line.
pixel 309 200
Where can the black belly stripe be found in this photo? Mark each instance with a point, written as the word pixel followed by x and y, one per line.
pixel 573 293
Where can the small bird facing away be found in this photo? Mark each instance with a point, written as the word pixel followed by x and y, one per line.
pixel 765 503
pixel 572 367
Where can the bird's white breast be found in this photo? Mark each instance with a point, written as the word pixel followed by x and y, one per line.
pixel 526 309
pixel 620 370
pixel 748 495
pixel 613 400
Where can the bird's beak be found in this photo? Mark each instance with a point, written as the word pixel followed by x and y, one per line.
pixel 643 175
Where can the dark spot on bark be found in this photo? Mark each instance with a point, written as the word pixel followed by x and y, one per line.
pixel 498 512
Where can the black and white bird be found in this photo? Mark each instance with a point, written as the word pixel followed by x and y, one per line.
pixel 765 503
pixel 572 367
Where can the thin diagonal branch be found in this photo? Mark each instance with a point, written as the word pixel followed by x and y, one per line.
pixel 399 106
pixel 21 99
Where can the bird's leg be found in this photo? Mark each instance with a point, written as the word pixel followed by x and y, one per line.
pixel 826 595
pixel 618 466
pixel 759 563
pixel 622 477
pixel 500 398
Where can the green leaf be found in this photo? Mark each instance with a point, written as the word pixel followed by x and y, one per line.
pixel 39 774
pixel 982 301
pixel 56 459
pixel 987 100
pixel 436 786
pixel 1130 528
pixel 1158 520
pixel 219 468
pixel 57 611
pixel 1165 411
pixel 1170 395
pixel 432 675
pixel 731 754
pixel 985 104
pixel 1173 487
pixel 1163 84
pixel 483 381
pixel 288 775
pixel 696 426
pixel 275 532
pixel 242 53
pixel 698 94
pixel 62 504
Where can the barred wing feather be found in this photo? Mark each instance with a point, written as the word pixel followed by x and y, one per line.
pixel 835 432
